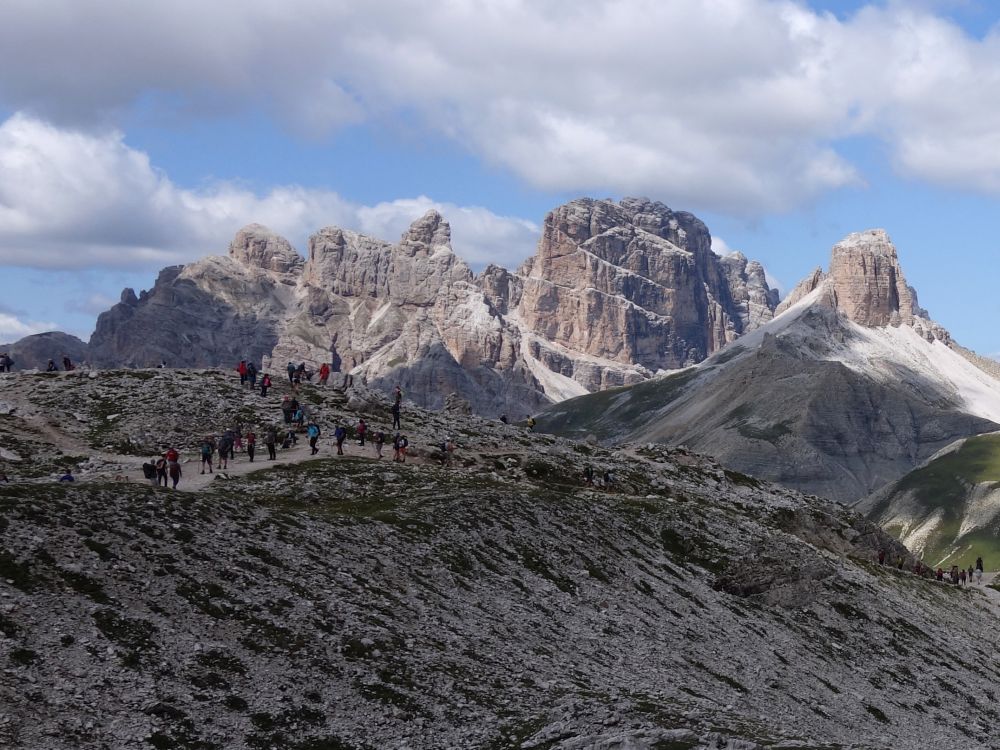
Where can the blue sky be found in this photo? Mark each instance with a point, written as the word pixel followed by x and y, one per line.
pixel 159 129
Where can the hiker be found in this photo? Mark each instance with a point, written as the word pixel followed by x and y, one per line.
pixel 324 374
pixel 287 409
pixel 290 439
pixel 265 383
pixel 207 449
pixel 503 418
pixel 68 476
pixel 940 574
pixel 979 576
pixel 67 363
pixel 291 372
pixel 979 564
pixel 362 430
pixel 237 439
pixel 270 441
pixel 175 473
pixel 252 375
pixel 961 577
pixel 395 415
pixel 588 478
pixel 303 373
pixel 340 434
pixel 161 471
pixel 379 442
pixel 971 573
pixel 300 417
pixel 348 381
pixel 6 363
pixel 241 368
pixel 397 394
pixel 609 481
pixel 149 472
pixel 225 448
pixel 531 422
pixel 399 444
pixel 162 366
pixel 51 367
pixel 312 430
pixel 881 557
pixel 251 444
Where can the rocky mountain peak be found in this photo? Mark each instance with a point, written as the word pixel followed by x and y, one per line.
pixel 426 234
pixel 868 282
pixel 257 246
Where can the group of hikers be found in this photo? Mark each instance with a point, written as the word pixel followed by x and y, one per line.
pixel 958 575
pixel 7 364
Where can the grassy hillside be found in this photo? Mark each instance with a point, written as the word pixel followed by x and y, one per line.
pixel 944 510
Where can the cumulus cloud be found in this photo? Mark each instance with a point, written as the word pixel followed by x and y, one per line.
pixel 72 199
pixel 732 105
pixel 13 328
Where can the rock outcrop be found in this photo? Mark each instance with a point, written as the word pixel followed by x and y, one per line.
pixel 35 351
pixel 616 292
pixel 635 283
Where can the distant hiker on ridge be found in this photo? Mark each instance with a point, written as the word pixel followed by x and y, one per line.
pixel 265 383
pixel 291 372
pixel 395 416
pixel 52 366
pixel 270 441
pixel 241 368
pixel 324 374
pixel 340 434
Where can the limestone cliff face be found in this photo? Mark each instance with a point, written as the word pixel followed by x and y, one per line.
pixel 868 283
pixel 209 313
pixel 637 284
pixel 410 313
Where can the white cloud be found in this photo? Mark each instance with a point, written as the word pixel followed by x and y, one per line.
pixel 70 199
pixel 732 105
pixel 13 328
pixel 720 247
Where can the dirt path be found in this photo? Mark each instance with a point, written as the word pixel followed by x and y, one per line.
pixel 193 480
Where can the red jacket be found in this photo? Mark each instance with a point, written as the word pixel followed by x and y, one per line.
pixel 241 368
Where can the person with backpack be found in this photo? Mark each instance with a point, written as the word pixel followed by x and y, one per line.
pixel 397 394
pixel 6 362
pixel 161 471
pixel 324 374
pixel 379 442
pixel 51 367
pixel 241 368
pixel 174 468
pixel 251 439
pixel 588 476
pixel 207 450
pixel 395 416
pixel 340 434
pixel 979 564
pixel 291 372
pixel 265 383
pixel 313 431
pixel 67 363
pixel 225 448
pixel 399 445
pixel 300 417
pixel 287 410
pixel 271 441
pixel 252 375
pixel 362 431
pixel 149 472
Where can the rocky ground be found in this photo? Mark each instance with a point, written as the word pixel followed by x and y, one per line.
pixel 494 603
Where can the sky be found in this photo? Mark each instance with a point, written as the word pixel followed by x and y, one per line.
pixel 139 135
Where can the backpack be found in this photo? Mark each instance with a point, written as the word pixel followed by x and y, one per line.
pixel 206 450
pixel 172 456
pixel 149 471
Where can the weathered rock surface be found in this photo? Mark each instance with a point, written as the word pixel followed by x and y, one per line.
pixel 354 604
pixel 616 292
pixel 850 389
pixel 36 350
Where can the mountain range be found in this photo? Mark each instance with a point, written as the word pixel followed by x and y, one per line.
pixel 849 387
pixel 616 292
